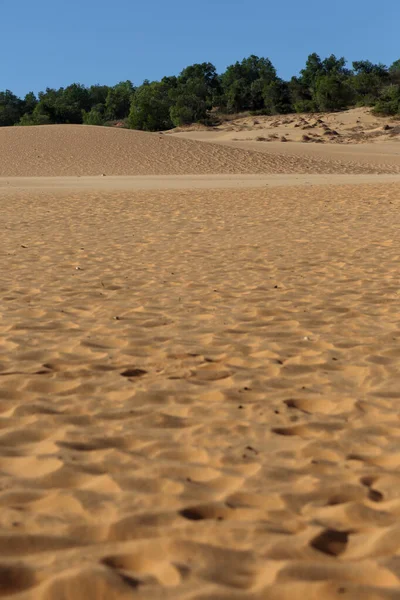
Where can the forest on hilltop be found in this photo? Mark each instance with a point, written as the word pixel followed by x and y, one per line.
pixel 199 94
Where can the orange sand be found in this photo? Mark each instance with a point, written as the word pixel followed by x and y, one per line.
pixel 199 390
pixel 71 150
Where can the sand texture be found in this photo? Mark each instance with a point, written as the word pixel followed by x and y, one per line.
pixel 354 126
pixel 73 150
pixel 199 389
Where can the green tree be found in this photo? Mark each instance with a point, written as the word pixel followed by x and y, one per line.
pixel 368 81
pixel 204 74
pixel 257 90
pixel 389 101
pixel 30 103
pixel 11 108
pixel 34 119
pixel 118 101
pixel 64 105
pixel 188 108
pixel 47 104
pixel 333 93
pixel 244 82
pixel 150 106
pixel 368 68
pixel 95 116
pixel 98 94
pixel 277 98
pixel 335 66
pixel 71 102
pixel 394 72
pixel 311 72
pixel 193 94
pixel 237 96
pixel 301 96
pixel 317 82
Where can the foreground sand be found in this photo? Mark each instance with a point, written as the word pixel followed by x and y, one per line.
pixel 199 394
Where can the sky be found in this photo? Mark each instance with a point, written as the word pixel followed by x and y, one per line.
pixel 52 43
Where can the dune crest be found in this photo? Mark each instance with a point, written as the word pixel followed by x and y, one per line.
pixel 78 150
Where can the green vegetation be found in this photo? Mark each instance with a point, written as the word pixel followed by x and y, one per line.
pixel 199 93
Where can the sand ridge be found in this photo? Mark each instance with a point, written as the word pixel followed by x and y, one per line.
pixel 354 126
pixel 73 150
pixel 199 394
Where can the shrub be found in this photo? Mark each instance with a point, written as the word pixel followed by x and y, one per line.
pixel 333 93
pixel 389 101
pixel 94 117
pixel 34 119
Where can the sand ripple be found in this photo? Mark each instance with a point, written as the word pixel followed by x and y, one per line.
pixel 68 150
pixel 199 394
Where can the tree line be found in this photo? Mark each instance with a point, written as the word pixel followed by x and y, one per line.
pixel 198 94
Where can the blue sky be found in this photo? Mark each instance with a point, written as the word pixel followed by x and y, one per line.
pixel 56 42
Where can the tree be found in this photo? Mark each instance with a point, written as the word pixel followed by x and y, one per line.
pixel 243 83
pixel 47 104
pixel 389 101
pixel 71 102
pixel 34 119
pixel 150 106
pixel 317 82
pixel 251 84
pixel 333 92
pixel 193 94
pixel 301 96
pixel 11 108
pixel 64 105
pixel 368 81
pixel 257 89
pixel 335 66
pixel 30 103
pixel 118 101
pixel 188 108
pixel 98 94
pixel 277 98
pixel 394 72
pixel 237 95
pixel 312 71
pixel 367 67
pixel 204 74
pixel 95 116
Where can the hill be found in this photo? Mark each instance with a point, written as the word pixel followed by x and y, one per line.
pixel 77 150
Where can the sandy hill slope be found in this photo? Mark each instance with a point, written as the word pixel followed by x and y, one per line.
pixel 355 126
pixel 62 150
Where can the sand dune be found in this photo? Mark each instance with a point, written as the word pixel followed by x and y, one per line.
pixel 346 138
pixel 199 394
pixel 199 386
pixel 73 150
pixel 385 155
pixel 355 126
